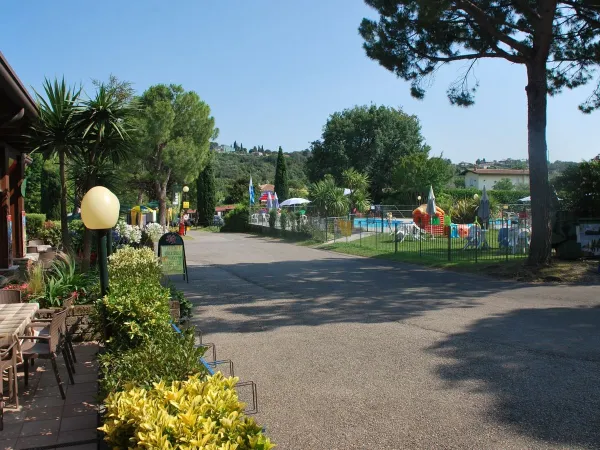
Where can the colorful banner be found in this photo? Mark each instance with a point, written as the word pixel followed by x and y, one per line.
pixel 345 227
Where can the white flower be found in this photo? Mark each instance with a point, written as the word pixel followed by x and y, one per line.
pixel 155 231
pixel 134 234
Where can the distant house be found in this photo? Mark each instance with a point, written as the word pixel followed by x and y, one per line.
pixel 267 188
pixel 222 210
pixel 228 149
pixel 478 178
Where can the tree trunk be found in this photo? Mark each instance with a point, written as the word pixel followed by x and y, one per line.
pixel 140 197
pixel 537 99
pixel 64 226
pixel 161 193
pixel 87 234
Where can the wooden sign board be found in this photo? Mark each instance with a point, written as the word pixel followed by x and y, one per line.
pixel 171 251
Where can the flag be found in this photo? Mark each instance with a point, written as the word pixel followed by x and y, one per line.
pixel 269 201
pixel 251 192
pixel 276 201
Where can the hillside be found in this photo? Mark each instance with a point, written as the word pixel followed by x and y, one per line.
pixel 230 167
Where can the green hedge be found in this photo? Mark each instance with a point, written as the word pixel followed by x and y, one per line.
pixel 505 197
pixel 34 225
pixel 236 221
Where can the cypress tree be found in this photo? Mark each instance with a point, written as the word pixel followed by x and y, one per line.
pixel 50 192
pixel 281 177
pixel 206 195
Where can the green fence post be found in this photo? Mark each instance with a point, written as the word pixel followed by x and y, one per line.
pixel 326 226
pixel 420 241
pixel 360 237
pixel 476 242
pixel 449 243
pixel 506 236
pixel 396 238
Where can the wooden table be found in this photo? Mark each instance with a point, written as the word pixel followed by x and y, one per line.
pixel 14 318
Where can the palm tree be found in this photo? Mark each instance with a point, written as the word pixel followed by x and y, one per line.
pixel 103 123
pixel 358 183
pixel 55 133
pixel 328 198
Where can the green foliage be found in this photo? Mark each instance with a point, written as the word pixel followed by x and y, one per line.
pixel 174 128
pixel 64 281
pixel 238 192
pixel 272 219
pixel 185 306
pixel 182 415
pixel 281 177
pixel 496 196
pixel 35 222
pixel 206 195
pixel 236 221
pixel 417 172
pixel 51 234
pixel 367 138
pixel 283 220
pixel 579 187
pixel 50 195
pixel 504 185
pixel 329 199
pixel 137 306
pixel 76 229
pixel 33 191
pixel 165 356
pixel 358 183
pixel 464 210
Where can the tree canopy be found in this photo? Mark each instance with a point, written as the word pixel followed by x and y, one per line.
pixel 416 172
pixel 174 129
pixel 367 138
pixel 504 185
pixel 579 188
pixel 555 40
pixel 281 177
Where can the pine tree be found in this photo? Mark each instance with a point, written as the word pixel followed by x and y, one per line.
pixel 235 146
pixel 281 177
pixel 206 195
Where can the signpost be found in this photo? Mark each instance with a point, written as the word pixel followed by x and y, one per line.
pixel 186 205
pixel 171 251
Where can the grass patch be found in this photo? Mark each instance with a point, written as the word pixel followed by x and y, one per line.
pixel 576 272
pixel 211 229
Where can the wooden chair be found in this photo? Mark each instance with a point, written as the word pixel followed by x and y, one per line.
pixel 8 296
pixel 8 363
pixel 47 347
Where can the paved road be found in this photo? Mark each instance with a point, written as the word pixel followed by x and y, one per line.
pixel 353 353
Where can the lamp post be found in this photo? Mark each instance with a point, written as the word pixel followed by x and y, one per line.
pixel 100 212
pixel 419 200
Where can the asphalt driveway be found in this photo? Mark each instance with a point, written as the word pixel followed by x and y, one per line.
pixel 352 353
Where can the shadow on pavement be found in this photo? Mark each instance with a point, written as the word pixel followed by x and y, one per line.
pixel 264 296
pixel 540 366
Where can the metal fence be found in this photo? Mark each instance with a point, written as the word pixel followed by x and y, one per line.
pixel 499 239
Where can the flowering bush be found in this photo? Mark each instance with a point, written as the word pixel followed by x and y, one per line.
pixel 50 233
pixel 128 234
pixel 155 231
pixel 183 415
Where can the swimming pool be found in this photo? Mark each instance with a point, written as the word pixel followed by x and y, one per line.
pixel 373 222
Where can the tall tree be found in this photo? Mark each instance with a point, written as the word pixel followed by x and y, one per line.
pixel 358 184
pixel 235 146
pixel 206 194
pixel 104 122
pixel 33 174
pixel 51 190
pixel 174 130
pixel 56 133
pixel 556 41
pixel 417 172
pixel 367 138
pixel 281 177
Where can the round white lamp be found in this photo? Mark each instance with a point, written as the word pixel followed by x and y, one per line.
pixel 100 209
pixel 186 189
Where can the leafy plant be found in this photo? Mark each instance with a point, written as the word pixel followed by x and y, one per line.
pixel 35 222
pixel 51 234
pixel 237 220
pixel 64 281
pixel 76 230
pixel 464 211
pixel 328 198
pixel 283 219
pixel 165 356
pixel 185 306
pixel 182 415
pixel 36 282
pixel 272 219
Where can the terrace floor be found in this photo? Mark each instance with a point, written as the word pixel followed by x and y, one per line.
pixel 43 417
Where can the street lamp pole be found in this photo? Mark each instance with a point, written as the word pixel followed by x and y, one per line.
pixel 100 212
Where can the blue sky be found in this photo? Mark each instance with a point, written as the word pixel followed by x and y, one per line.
pixel 273 71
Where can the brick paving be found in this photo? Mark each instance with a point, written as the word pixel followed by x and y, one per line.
pixel 43 417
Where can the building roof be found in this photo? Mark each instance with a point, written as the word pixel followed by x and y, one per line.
pixel 224 208
pixel 498 171
pixel 267 187
pixel 17 108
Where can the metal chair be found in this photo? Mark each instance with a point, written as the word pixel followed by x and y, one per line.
pixel 47 347
pixel 40 327
pixel 9 296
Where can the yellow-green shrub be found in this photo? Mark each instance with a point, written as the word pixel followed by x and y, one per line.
pixel 129 268
pixel 192 414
